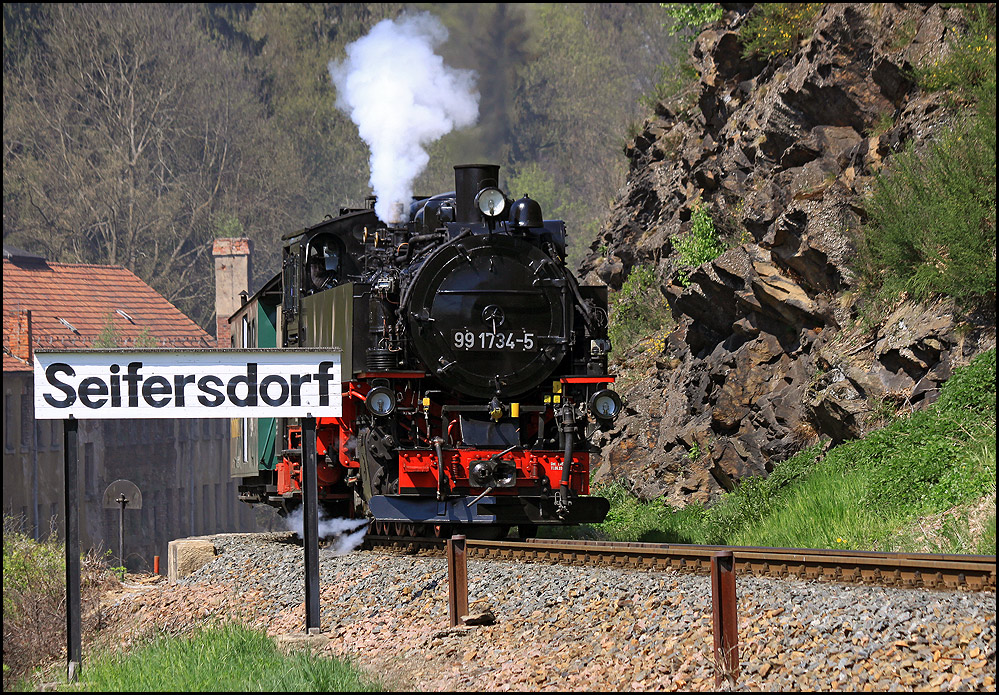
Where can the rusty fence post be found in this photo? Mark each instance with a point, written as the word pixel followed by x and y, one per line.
pixel 725 618
pixel 457 579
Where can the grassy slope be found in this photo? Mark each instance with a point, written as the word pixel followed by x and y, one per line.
pixel 923 482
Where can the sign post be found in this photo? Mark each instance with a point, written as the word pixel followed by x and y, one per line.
pixel 74 650
pixel 310 498
pixel 73 385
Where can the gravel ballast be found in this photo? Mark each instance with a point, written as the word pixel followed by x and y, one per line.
pixel 570 628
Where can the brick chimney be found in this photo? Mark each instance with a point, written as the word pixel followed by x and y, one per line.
pixel 232 278
pixel 17 335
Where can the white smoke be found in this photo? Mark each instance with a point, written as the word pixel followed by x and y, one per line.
pixel 349 532
pixel 402 96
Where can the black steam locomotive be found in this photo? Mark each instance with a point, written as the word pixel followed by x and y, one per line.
pixel 474 367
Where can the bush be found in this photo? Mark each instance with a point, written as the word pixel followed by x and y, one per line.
pixel 932 223
pixel 697 246
pixel 34 599
pixel 637 309
pixel 689 18
pixel 775 29
pixel 971 65
pixel 932 226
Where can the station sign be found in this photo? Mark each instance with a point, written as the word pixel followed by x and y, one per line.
pixel 186 383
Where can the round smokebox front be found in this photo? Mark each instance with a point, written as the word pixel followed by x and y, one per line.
pixel 488 315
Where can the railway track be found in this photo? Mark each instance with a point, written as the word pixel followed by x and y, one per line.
pixel 923 570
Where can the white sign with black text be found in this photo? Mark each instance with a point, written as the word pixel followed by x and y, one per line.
pixel 98 384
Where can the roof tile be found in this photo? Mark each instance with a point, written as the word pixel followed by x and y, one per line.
pixel 87 297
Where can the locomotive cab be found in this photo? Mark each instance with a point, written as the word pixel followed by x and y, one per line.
pixel 474 365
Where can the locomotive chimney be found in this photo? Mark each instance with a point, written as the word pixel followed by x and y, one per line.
pixel 232 278
pixel 469 179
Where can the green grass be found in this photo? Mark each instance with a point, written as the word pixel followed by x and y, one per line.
pixel 869 494
pixel 220 658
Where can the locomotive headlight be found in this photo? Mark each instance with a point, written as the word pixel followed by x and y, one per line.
pixel 605 405
pixel 491 202
pixel 380 401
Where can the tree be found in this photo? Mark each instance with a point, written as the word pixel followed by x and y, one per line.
pixel 574 100
pixel 129 137
pixel 297 41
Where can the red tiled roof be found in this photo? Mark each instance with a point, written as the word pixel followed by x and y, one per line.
pixel 12 364
pixel 72 304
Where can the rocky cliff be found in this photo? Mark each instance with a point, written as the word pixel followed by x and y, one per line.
pixel 767 356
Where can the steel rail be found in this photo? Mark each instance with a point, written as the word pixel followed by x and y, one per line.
pixel 925 570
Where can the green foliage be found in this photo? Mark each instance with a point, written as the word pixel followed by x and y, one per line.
pixel 757 497
pixel 220 658
pixel 587 65
pixel 632 520
pixel 534 181
pixel 145 339
pixel 27 564
pixel 637 309
pixel 109 337
pixel 697 246
pixel 691 17
pixel 228 226
pixel 971 64
pixel 859 495
pixel 34 598
pixel 930 449
pixel 775 29
pixel 932 227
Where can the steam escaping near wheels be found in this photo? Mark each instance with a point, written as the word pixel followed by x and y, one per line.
pixel 348 534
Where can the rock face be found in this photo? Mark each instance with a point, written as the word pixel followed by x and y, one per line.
pixel 765 358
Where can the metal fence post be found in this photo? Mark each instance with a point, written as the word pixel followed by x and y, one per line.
pixel 725 618
pixel 457 579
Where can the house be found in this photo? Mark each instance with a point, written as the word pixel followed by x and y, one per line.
pixel 181 467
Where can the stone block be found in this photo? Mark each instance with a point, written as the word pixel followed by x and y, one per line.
pixel 187 555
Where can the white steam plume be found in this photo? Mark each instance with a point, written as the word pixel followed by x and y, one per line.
pixel 402 96
pixel 349 532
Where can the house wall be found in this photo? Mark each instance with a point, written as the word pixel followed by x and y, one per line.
pixel 181 467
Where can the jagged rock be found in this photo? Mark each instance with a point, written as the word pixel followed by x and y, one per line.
pixel 838 411
pixel 766 358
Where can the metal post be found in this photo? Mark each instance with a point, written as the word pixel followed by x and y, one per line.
pixel 310 495
pixel 457 579
pixel 74 650
pixel 122 501
pixel 725 618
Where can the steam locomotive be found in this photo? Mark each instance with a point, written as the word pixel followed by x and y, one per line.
pixel 474 367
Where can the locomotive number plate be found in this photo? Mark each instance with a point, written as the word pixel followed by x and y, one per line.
pixel 514 341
